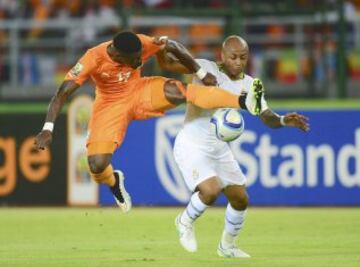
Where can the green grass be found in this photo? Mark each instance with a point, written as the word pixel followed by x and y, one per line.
pixel 315 104
pixel 274 237
pixel 277 104
pixel 26 108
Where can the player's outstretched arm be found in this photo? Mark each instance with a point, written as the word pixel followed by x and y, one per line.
pixel 44 138
pixel 175 57
pixel 168 62
pixel 293 119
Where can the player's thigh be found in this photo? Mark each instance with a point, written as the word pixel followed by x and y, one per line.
pixel 153 97
pixel 109 122
pixel 194 163
pixel 228 169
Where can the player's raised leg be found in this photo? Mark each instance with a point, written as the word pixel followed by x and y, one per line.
pixel 162 94
pixel 102 172
pixel 234 221
pixel 207 97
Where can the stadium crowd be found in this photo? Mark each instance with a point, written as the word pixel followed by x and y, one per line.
pixel 202 39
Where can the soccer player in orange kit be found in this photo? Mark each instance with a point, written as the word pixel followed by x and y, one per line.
pixel 122 95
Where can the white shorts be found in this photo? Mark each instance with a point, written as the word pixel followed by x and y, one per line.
pixel 199 162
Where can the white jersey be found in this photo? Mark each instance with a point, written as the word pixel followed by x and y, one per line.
pixel 197 151
pixel 197 120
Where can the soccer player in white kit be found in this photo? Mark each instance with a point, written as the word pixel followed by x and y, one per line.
pixel 207 164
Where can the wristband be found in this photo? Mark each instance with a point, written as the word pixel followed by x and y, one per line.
pixel 201 73
pixel 282 120
pixel 48 126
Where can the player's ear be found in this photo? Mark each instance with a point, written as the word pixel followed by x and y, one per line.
pixel 222 56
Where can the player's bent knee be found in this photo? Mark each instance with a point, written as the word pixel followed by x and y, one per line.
pixel 240 202
pixel 98 163
pixel 210 194
pixel 244 201
pixel 173 92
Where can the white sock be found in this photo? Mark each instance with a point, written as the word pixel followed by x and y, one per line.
pixel 193 210
pixel 234 221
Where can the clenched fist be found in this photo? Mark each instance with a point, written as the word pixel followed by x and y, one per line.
pixel 43 139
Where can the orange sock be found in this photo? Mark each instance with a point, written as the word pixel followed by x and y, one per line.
pixel 105 177
pixel 211 97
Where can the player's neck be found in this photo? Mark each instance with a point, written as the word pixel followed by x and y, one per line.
pixel 240 76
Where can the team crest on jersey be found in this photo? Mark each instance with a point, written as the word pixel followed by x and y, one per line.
pixel 75 71
pixel 195 174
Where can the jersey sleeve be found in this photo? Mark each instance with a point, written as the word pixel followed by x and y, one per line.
pixel 83 68
pixel 149 47
pixel 208 66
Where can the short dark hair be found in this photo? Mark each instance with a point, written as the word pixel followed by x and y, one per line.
pixel 127 42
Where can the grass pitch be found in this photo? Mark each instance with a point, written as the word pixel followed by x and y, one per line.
pixel 274 237
pixel 292 104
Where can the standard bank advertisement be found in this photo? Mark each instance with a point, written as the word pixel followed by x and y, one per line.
pixel 283 166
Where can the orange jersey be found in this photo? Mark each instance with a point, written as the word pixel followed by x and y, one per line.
pixel 113 80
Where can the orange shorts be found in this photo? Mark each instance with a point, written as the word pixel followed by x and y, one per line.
pixel 110 119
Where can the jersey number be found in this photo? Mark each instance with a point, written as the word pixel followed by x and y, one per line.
pixel 124 76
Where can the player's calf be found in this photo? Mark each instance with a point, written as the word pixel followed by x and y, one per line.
pixel 114 179
pixel 207 97
pixel 101 170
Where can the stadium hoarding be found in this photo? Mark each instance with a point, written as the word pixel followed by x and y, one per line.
pixel 82 190
pixel 283 166
pixel 29 177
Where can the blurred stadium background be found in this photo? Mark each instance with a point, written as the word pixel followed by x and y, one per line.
pixel 307 53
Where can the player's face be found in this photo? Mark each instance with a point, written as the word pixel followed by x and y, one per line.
pixel 235 59
pixel 133 60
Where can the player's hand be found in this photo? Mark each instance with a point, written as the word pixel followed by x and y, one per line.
pixel 42 140
pixel 297 120
pixel 209 79
pixel 161 41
